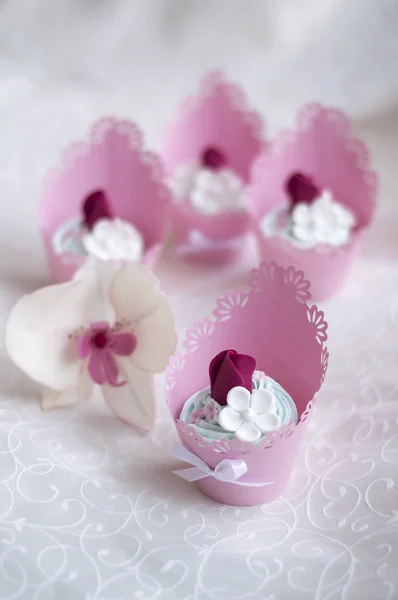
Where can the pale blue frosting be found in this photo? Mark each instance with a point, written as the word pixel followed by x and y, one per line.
pixel 67 238
pixel 285 408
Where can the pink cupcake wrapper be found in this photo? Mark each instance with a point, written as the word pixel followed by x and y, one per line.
pixel 274 323
pixel 322 147
pixel 218 116
pixel 112 159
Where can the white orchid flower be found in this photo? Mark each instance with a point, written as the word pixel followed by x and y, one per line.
pixel 114 239
pixel 110 326
pixel 249 415
pixel 325 221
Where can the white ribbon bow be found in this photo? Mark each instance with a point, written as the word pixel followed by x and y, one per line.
pixel 227 470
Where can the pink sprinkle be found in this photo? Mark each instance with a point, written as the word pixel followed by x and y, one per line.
pixel 210 411
pixel 260 375
pixel 196 416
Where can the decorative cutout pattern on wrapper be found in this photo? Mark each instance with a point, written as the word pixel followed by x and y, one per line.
pixel 267 282
pixel 227 306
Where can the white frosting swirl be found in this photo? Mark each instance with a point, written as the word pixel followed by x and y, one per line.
pixel 210 191
pixel 113 239
pixel 324 221
pixel 196 413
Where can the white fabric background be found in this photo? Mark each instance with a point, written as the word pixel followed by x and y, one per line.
pixel 90 510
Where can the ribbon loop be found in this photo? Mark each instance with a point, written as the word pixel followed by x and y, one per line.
pixel 227 470
pixel 230 470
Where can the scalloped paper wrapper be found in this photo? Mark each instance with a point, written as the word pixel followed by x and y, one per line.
pixel 217 117
pixel 321 146
pixel 112 159
pixel 274 323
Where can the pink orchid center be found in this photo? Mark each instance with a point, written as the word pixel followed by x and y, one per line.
pixel 99 340
pixel 212 158
pixel 101 344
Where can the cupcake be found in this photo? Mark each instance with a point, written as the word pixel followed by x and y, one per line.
pixel 208 152
pixel 240 402
pixel 107 201
pixel 312 198
pixel 244 388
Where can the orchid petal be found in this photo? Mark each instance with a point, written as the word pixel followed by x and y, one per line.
pixel 97 275
pixel 39 330
pixel 229 419
pixel 54 399
pixel 156 338
pixel 103 369
pixel 135 401
pixel 84 345
pixel 248 432
pixel 37 334
pixel 111 369
pixel 134 292
pixel 123 343
pixel 96 369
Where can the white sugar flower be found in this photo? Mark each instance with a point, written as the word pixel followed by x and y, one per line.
pixel 217 191
pixel 110 326
pixel 249 415
pixel 114 239
pixel 211 191
pixel 325 221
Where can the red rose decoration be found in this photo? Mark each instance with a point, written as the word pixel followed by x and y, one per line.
pixel 227 370
pixel 213 159
pixel 96 207
pixel 302 188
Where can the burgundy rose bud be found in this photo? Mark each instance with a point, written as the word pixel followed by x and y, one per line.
pixel 214 159
pixel 302 188
pixel 228 370
pixel 96 207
